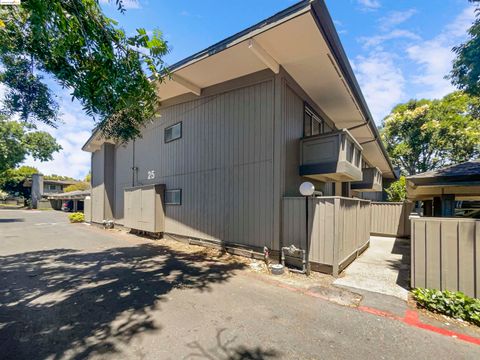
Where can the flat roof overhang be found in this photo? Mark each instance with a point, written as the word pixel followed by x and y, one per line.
pixel 462 190
pixel 95 142
pixel 303 41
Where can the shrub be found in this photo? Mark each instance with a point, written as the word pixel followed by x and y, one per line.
pixel 452 303
pixel 397 191
pixel 3 195
pixel 76 217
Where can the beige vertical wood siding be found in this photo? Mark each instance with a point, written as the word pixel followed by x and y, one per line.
pixel 338 228
pixel 446 254
pixel 123 177
pixel 391 219
pixel 293 112
pixel 103 197
pixel 98 188
pixel 87 209
pixel 223 163
pixel 294 109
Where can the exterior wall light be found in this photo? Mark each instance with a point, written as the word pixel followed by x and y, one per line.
pixel 307 189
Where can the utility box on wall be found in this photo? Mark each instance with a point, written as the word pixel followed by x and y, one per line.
pixel 144 208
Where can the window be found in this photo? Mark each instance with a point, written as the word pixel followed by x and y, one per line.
pixel 313 124
pixel 173 197
pixel 173 132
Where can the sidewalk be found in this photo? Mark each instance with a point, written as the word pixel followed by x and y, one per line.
pixel 382 268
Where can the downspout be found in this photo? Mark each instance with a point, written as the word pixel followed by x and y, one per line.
pixel 133 164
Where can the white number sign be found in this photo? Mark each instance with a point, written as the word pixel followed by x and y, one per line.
pixel 151 174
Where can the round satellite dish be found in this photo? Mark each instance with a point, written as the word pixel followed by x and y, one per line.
pixel 307 189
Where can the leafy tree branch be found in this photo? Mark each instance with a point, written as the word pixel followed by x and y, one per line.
pixel 85 52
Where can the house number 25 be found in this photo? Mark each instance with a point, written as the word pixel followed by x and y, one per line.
pixel 151 174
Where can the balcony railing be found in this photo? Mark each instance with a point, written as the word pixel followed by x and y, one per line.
pixel 372 180
pixel 335 156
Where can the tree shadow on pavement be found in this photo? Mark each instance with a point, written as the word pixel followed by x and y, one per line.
pixel 66 303
pixel 225 349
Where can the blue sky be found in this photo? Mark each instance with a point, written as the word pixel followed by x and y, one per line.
pixel 398 49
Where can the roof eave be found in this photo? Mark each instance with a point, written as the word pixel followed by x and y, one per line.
pixel 325 24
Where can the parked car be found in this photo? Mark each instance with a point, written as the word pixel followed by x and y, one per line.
pixel 67 206
pixel 468 213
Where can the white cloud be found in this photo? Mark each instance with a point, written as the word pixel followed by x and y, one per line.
pixel 72 134
pixel 381 81
pixel 395 18
pixel 394 34
pixel 434 57
pixel 127 4
pixel 370 4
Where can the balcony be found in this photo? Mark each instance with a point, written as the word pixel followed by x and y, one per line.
pixel 335 156
pixel 372 181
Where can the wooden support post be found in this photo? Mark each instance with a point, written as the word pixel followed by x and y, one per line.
pixel 448 205
pixel 437 206
pixel 428 208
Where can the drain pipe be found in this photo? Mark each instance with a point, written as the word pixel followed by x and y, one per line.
pixel 133 163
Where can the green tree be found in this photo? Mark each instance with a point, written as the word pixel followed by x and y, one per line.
pixel 12 181
pixel 88 177
pixel 422 135
pixel 79 186
pixel 17 140
pixel 397 191
pixel 57 177
pixel 84 51
pixel 466 67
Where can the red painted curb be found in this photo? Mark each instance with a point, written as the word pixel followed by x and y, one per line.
pixel 378 312
pixel 410 318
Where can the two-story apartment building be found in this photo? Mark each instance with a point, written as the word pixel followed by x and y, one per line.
pixel 243 124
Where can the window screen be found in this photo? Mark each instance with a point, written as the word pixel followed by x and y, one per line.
pixel 173 132
pixel 307 126
pixel 173 197
pixel 313 124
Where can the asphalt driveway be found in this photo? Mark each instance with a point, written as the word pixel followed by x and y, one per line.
pixel 74 291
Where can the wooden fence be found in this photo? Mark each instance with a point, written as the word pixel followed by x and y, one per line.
pixel 391 218
pixel 338 230
pixel 446 254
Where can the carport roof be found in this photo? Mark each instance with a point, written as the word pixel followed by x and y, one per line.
pixel 461 180
pixel 468 171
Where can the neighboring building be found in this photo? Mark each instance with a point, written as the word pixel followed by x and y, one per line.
pixel 43 189
pixel 441 189
pixel 243 124
pixel 69 201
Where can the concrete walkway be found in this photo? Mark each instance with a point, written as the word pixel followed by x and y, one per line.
pixel 382 268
